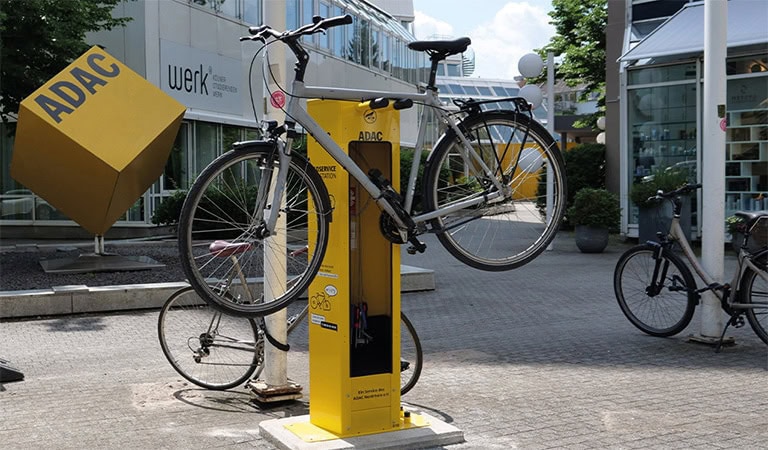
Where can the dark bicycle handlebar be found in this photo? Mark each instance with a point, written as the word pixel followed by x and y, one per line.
pixel 682 190
pixel 318 25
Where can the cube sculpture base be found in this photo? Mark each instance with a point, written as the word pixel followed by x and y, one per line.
pixel 89 263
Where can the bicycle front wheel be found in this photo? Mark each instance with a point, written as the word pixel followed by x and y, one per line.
pixel 223 252
pixel 657 294
pixel 208 348
pixel 411 356
pixel 754 293
pixel 508 231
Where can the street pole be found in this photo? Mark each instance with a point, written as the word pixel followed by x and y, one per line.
pixel 551 129
pixel 713 160
pixel 275 385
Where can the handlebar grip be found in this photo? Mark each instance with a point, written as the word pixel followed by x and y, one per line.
pixel 257 30
pixel 335 21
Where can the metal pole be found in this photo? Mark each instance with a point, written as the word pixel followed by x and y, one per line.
pixel 275 249
pixel 713 159
pixel 551 129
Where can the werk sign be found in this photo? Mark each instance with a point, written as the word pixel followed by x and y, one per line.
pixel 92 139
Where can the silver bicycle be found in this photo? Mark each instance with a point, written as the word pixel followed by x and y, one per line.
pixel 658 294
pixel 483 189
pixel 217 351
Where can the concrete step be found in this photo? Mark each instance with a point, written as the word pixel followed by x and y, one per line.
pixel 75 299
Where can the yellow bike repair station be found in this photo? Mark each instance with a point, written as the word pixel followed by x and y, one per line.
pixel 354 315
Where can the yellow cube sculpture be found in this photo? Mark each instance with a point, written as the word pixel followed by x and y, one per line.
pixel 93 139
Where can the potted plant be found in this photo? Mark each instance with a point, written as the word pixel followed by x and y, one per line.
pixel 595 213
pixel 650 209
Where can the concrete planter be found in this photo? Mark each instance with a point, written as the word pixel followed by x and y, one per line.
pixel 591 239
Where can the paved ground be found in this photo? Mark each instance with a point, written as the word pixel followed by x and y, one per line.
pixel 540 357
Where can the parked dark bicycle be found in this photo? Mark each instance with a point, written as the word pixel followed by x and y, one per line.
pixel 658 294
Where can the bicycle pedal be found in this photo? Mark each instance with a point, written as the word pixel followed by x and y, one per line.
pixel 416 246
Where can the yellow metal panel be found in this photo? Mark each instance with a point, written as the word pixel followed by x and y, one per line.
pixel 91 140
pixel 360 266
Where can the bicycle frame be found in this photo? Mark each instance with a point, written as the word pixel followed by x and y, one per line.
pixel 744 261
pixel 429 98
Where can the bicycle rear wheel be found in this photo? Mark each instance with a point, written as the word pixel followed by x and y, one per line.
pixel 221 225
pixel 754 292
pixel 411 357
pixel 656 294
pixel 208 348
pixel 510 231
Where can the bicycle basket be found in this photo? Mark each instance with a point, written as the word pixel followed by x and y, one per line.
pixel 759 233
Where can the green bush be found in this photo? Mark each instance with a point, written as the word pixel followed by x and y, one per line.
pixel 169 209
pixel 595 207
pixel 661 180
pixel 584 168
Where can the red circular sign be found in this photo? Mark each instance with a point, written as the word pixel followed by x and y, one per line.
pixel 277 99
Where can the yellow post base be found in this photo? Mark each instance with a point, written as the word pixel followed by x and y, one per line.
pixel 308 432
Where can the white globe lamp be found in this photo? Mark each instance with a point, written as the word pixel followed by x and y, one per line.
pixel 530 65
pixel 530 160
pixel 532 94
pixel 601 122
pixel 600 138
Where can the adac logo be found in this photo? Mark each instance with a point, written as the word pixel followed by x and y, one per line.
pixel 370 116
pixel 68 95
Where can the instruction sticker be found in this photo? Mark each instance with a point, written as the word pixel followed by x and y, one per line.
pixel 317 319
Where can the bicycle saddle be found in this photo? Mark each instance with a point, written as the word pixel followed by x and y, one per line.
pixel 443 48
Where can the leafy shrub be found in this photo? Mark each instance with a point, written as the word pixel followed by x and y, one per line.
pixel 169 209
pixel 584 168
pixel 595 207
pixel 661 180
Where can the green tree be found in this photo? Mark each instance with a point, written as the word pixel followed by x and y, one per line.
pixel 580 42
pixel 39 38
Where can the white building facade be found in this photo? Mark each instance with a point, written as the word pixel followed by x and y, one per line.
pixel 191 50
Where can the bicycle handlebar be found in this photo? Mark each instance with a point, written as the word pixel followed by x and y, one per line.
pixel 685 189
pixel 318 25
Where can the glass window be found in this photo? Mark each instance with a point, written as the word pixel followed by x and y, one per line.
pixel 307 11
pixel 353 44
pixel 385 52
pixel 365 42
pixel 747 65
pixel 470 90
pixel 291 14
pixel 662 130
pixel 176 174
pixel 206 145
pixel 456 89
pixel 252 12
pixel 322 38
pixel 500 91
pixel 338 35
pixel 227 7
pixel 484 90
pixel 375 41
pixel 441 70
pixel 661 74
pixel 454 70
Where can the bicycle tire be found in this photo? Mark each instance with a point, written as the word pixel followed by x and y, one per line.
pixel 672 307
pixel 411 356
pixel 506 234
pixel 754 290
pixel 221 206
pixel 218 357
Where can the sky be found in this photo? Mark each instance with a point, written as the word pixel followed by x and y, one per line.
pixel 502 31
